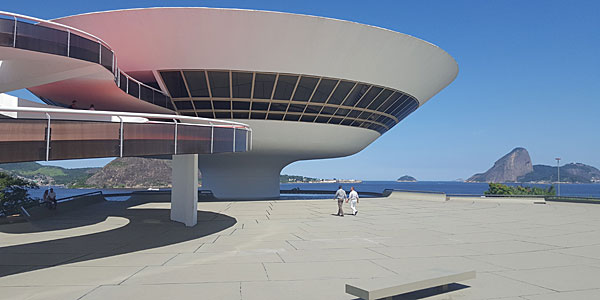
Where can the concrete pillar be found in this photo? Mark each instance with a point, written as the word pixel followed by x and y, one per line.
pixel 184 194
pixel 240 176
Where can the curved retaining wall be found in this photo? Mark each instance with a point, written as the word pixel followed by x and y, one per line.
pixel 442 197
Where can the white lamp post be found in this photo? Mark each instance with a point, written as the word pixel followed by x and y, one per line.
pixel 558 174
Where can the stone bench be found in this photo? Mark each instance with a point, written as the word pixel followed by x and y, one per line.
pixel 378 288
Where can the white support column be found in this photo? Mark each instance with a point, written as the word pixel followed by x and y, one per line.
pixel 184 194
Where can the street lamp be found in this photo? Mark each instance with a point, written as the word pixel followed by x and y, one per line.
pixel 558 174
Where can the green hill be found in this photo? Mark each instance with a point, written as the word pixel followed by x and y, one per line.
pixel 126 172
pixel 49 175
pixel 573 172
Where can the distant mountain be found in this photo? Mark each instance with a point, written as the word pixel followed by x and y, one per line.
pixel 133 172
pixel 125 172
pixel 507 169
pixel 406 178
pixel 49 175
pixel 516 167
pixel 573 173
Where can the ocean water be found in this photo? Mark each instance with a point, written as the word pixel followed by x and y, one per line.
pixel 448 187
pixel 62 192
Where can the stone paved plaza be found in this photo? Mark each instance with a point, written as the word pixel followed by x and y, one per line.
pixel 296 249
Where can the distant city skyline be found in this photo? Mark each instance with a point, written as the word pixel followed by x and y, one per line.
pixel 529 72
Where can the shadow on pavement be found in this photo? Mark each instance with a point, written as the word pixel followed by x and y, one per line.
pixel 148 228
pixel 430 292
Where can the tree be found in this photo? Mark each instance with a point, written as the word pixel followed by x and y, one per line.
pixel 502 189
pixel 498 189
pixel 14 194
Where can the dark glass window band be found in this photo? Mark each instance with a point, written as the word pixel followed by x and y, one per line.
pixel 288 97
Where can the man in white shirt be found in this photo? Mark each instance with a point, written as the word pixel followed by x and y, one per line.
pixel 340 196
pixel 353 198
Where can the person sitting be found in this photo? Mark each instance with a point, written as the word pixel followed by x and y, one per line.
pixel 45 200
pixel 52 199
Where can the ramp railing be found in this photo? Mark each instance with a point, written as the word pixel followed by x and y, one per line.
pixel 30 33
pixel 34 134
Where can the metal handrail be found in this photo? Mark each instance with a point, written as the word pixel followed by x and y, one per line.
pixel 79 195
pixel 118 117
pixel 209 122
pixel 116 70
pixel 15 15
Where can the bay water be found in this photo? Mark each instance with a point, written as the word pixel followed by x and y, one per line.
pixel 448 187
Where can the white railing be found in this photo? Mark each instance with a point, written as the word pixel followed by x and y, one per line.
pixel 77 112
pixel 115 69
pixel 50 114
pixel 55 25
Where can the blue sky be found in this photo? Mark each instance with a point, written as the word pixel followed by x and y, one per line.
pixel 529 77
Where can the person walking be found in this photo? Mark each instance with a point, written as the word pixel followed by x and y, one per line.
pixel 340 196
pixel 353 198
pixel 52 198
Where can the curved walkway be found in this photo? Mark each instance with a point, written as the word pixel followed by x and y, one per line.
pixel 24 38
pixel 44 133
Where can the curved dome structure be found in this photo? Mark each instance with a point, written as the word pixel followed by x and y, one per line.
pixel 309 87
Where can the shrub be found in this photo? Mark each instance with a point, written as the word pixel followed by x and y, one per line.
pixel 502 189
pixel 14 194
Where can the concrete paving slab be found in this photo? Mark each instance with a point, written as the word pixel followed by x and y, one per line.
pixel 519 251
pixel 6 270
pixel 37 259
pixel 416 264
pixel 500 247
pixel 326 289
pixel 337 243
pixel 587 294
pixel 316 255
pixel 485 286
pixel 183 247
pixel 265 237
pixel 195 274
pixel 66 275
pixel 592 251
pixel 226 257
pixel 129 259
pixel 424 251
pixel 534 260
pixel 217 291
pixel 247 245
pixel 326 270
pixel 571 240
pixel 481 237
pixel 45 293
pixel 568 278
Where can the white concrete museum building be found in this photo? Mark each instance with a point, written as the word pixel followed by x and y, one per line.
pixel 309 87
